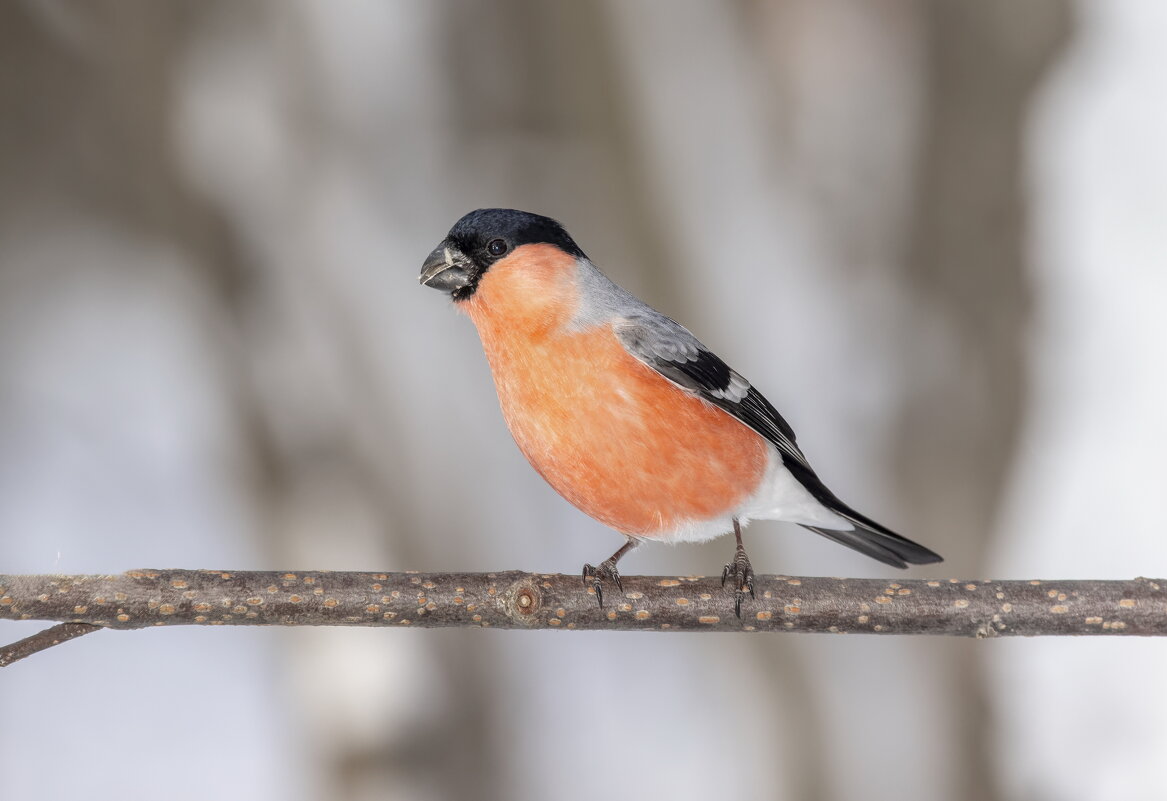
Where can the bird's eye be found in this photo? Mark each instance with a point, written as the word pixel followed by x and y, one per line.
pixel 496 247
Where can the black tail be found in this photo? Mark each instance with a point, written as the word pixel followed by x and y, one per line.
pixel 876 541
pixel 868 537
pixel 898 552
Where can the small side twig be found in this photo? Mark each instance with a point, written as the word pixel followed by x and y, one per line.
pixel 62 632
pixel 514 599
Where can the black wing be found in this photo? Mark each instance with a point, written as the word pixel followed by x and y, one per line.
pixel 669 348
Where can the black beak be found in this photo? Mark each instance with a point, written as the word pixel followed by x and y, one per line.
pixel 446 269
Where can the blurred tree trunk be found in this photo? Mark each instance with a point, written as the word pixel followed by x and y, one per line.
pixel 92 98
pixel 970 296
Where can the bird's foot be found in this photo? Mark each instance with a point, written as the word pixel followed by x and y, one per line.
pixel 743 578
pixel 597 575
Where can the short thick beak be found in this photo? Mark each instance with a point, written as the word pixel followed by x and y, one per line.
pixel 445 269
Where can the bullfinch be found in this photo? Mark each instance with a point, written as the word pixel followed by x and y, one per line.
pixel 624 412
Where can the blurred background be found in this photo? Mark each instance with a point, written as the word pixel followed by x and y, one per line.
pixel 933 233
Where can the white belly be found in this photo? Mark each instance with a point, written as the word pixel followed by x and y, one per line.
pixel 779 497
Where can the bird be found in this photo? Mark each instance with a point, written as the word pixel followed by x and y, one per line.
pixel 624 412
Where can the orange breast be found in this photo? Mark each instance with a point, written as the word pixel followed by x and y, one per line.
pixel 610 434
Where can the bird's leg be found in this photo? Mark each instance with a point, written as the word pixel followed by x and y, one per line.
pixel 607 570
pixel 741 570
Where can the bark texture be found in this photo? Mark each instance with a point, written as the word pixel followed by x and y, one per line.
pixel 517 600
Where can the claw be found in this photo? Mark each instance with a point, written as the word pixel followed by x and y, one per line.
pixel 606 570
pixel 743 578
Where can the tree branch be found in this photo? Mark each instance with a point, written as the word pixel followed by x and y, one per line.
pixel 518 600
pixel 62 632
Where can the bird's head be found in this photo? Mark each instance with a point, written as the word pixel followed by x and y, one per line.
pixel 482 239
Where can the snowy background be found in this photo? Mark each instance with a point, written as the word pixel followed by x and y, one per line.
pixel 934 234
